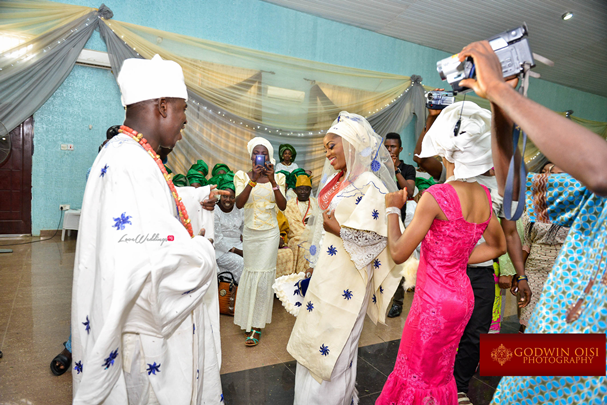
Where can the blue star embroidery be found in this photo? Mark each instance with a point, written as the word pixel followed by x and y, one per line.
pixel 347 294
pixel 78 367
pixel 298 304
pixel 87 325
pixel 153 368
pixel 332 251
pixel 374 299
pixel 381 289
pixel 110 360
pixel 190 291
pixel 360 197
pixel 376 263
pixel 122 221
pixel 324 350
pixel 103 171
pixel 310 306
pixel 375 214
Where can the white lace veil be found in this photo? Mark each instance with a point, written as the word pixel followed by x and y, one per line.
pixel 365 152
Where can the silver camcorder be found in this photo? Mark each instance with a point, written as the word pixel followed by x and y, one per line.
pixel 511 48
pixel 438 100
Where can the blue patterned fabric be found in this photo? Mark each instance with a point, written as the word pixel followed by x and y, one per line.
pixel 583 255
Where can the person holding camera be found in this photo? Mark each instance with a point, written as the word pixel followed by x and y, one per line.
pixel 260 192
pixel 569 304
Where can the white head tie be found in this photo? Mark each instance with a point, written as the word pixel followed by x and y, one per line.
pixel 264 142
pixel 470 150
pixel 143 79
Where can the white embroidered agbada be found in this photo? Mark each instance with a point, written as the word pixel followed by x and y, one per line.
pixel 142 321
pixel 149 295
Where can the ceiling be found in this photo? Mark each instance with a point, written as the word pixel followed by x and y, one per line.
pixel 578 47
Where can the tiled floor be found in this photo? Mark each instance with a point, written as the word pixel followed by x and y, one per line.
pixel 35 296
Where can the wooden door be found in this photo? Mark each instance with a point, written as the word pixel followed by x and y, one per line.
pixel 16 182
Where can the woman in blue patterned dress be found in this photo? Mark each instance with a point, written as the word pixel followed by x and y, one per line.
pixel 574 299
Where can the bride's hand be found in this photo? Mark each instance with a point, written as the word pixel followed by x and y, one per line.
pixel 330 224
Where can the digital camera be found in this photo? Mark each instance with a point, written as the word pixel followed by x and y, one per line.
pixel 511 48
pixel 438 100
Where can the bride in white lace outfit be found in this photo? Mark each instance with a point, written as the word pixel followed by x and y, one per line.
pixel 353 271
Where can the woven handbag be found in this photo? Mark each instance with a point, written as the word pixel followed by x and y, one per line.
pixel 227 293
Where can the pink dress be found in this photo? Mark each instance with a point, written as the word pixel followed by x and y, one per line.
pixel 443 303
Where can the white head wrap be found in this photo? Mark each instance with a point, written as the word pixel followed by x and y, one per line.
pixel 143 79
pixel 264 142
pixel 470 150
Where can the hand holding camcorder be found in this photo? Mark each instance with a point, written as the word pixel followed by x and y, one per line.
pixel 512 50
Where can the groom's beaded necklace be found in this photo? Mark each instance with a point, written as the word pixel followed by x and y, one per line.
pixel 183 213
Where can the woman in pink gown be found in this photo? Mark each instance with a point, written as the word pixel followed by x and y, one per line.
pixel 449 221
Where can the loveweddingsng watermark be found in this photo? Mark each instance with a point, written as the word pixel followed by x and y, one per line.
pixel 143 238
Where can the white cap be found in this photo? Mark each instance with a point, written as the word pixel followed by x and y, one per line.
pixel 470 150
pixel 143 79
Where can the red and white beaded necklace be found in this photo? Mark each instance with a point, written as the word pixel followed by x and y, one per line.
pixel 183 213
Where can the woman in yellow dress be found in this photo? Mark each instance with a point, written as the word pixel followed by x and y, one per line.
pixel 259 192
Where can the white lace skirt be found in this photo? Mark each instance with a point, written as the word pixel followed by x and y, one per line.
pixel 255 296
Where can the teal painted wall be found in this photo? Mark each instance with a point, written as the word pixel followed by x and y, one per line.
pixel 91 97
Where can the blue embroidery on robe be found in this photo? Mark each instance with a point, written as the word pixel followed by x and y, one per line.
pixel 87 325
pixel 347 294
pixel 332 251
pixel 375 165
pixel 103 171
pixel 376 263
pixel 190 291
pixel 153 368
pixel 310 306
pixel 122 221
pixel 193 328
pixel 313 250
pixel 221 398
pixel 374 299
pixel 110 360
pixel 78 367
pixel 298 304
pixel 324 350
pixel 381 289
pixel 358 199
pixel 375 214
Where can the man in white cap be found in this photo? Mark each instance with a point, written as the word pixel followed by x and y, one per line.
pixel 140 328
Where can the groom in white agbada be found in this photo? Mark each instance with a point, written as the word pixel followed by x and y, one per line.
pixel 142 320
